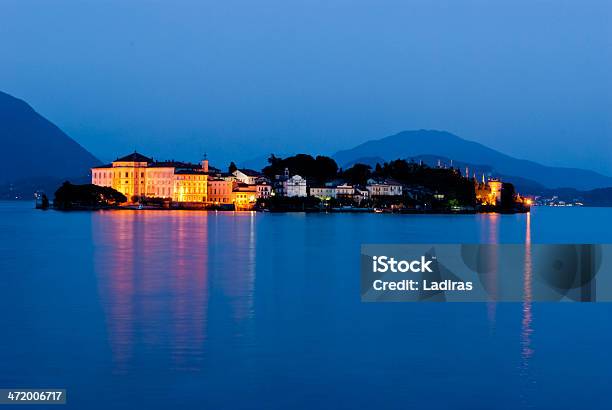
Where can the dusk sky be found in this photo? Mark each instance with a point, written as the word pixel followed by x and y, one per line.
pixel 239 79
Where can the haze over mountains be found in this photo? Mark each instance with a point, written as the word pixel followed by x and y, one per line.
pixel 36 154
pixel 432 144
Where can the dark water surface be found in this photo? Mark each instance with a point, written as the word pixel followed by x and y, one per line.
pixel 160 310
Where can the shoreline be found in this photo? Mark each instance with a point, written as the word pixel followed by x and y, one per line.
pixel 277 211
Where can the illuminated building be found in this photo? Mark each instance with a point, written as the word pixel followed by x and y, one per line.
pixel 294 186
pixel 244 196
pixel 137 176
pixel 345 191
pixel 384 188
pixel 220 191
pixel 495 185
pixel 489 192
pixel 325 192
pixel 127 175
pixel 190 186
pixel 264 189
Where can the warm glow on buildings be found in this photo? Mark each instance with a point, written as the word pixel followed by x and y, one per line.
pixel 244 196
pixel 495 185
pixel 489 192
pixel 190 186
pixel 137 176
pixel 220 191
pixel 140 178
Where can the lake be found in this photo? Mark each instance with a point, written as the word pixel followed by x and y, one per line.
pixel 188 309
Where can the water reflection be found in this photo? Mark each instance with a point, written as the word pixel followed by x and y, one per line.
pixel 119 290
pixel 157 273
pixel 188 275
pixel 235 264
pixel 526 322
pixel 526 332
pixel 490 235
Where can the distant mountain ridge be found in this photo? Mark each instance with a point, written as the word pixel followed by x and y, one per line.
pixel 35 152
pixel 442 144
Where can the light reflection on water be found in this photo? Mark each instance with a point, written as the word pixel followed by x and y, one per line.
pixel 491 236
pixel 527 328
pixel 193 309
pixel 153 268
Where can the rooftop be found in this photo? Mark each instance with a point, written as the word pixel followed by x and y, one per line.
pixel 250 172
pixel 134 157
pixel 190 171
pixel 174 164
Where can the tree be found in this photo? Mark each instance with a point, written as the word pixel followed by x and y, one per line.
pixel 232 167
pixel 88 195
pixel 358 174
pixel 508 195
pixel 317 170
pixel 447 181
pixel 325 168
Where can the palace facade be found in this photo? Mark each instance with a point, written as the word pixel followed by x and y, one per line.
pixel 137 176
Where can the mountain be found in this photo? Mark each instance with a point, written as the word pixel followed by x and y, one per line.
pixel 35 153
pixel 411 144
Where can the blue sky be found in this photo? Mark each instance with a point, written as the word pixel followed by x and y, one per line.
pixel 238 79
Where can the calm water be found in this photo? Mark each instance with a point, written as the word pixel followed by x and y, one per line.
pixel 158 310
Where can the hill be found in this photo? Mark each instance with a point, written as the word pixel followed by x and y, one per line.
pixel 36 154
pixel 412 144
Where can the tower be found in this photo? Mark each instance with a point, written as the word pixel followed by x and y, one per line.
pixel 205 163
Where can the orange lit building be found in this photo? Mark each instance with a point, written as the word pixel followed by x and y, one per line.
pixel 244 196
pixel 127 175
pixel 495 185
pixel 489 193
pixel 220 191
pixel 190 186
pixel 138 176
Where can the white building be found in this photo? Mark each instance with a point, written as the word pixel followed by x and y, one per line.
pixel 294 186
pixel 264 189
pixel 247 176
pixel 361 195
pixel 324 193
pixel 384 188
pixel 345 190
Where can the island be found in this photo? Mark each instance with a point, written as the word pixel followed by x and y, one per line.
pixel 302 182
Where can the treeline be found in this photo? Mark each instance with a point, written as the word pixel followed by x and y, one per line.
pixel 317 170
pixel 71 196
pixel 320 169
